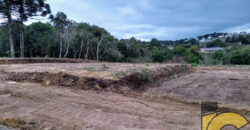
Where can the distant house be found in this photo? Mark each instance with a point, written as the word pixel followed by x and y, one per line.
pixel 210 50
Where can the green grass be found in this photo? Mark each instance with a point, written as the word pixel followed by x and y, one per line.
pixel 145 75
pixel 89 69
pixel 120 74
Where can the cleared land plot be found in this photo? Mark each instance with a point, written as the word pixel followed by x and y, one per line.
pixel 64 108
pixel 170 100
pixel 228 86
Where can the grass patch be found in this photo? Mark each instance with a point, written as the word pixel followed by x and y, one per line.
pixel 120 74
pixel 104 68
pixel 145 75
pixel 89 69
pixel 194 65
pixel 13 122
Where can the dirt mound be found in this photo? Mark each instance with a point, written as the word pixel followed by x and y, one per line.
pixel 40 60
pixel 135 82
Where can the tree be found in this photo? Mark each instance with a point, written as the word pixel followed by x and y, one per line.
pixel 60 21
pixel 155 42
pixel 98 45
pixel 40 39
pixel 7 7
pixel 27 9
pixel 108 50
pixel 69 34
pixel 216 43
pixel 83 31
pixel 100 35
pixel 193 55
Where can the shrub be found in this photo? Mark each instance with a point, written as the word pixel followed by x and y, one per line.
pixel 145 75
pixel 194 64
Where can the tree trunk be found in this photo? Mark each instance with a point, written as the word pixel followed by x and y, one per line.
pixel 67 51
pixel 67 40
pixel 21 12
pixel 12 50
pixel 61 41
pixel 97 50
pixel 21 39
pixel 87 51
pixel 80 53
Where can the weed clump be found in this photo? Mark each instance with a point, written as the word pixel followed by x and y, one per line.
pixel 120 74
pixel 145 75
pixel 89 69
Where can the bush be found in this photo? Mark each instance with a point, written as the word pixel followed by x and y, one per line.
pixel 241 56
pixel 145 75
pixel 193 55
pixel 194 64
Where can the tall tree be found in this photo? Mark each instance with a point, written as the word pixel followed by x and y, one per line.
pixel 60 21
pixel 69 34
pixel 28 9
pixel 100 35
pixel 7 7
pixel 83 30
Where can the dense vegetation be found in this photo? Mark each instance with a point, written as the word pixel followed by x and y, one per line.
pixel 64 38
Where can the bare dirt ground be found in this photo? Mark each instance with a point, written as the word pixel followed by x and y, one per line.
pixel 97 70
pixel 63 108
pixel 171 103
pixel 230 87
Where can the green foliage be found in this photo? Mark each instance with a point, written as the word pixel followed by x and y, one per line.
pixel 216 43
pixel 120 74
pixel 194 64
pixel 40 40
pixel 103 68
pixel 82 40
pixel 193 55
pixel 145 75
pixel 241 56
pixel 219 57
pixel 180 50
pixel 161 54
pixel 89 69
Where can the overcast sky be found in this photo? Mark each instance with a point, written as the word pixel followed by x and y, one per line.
pixel 162 19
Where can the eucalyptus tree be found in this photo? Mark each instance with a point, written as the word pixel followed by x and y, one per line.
pixel 84 34
pixel 60 21
pixel 28 9
pixel 100 35
pixel 7 8
pixel 69 35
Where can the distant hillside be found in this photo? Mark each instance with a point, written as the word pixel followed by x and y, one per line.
pixel 209 40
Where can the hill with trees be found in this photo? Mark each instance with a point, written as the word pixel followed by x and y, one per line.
pixel 65 38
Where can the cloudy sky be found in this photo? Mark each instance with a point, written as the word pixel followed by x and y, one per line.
pixel 162 19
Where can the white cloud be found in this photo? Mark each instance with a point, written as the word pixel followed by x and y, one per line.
pixel 241 28
pixel 162 19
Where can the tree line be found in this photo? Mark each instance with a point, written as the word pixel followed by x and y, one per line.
pixel 65 38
